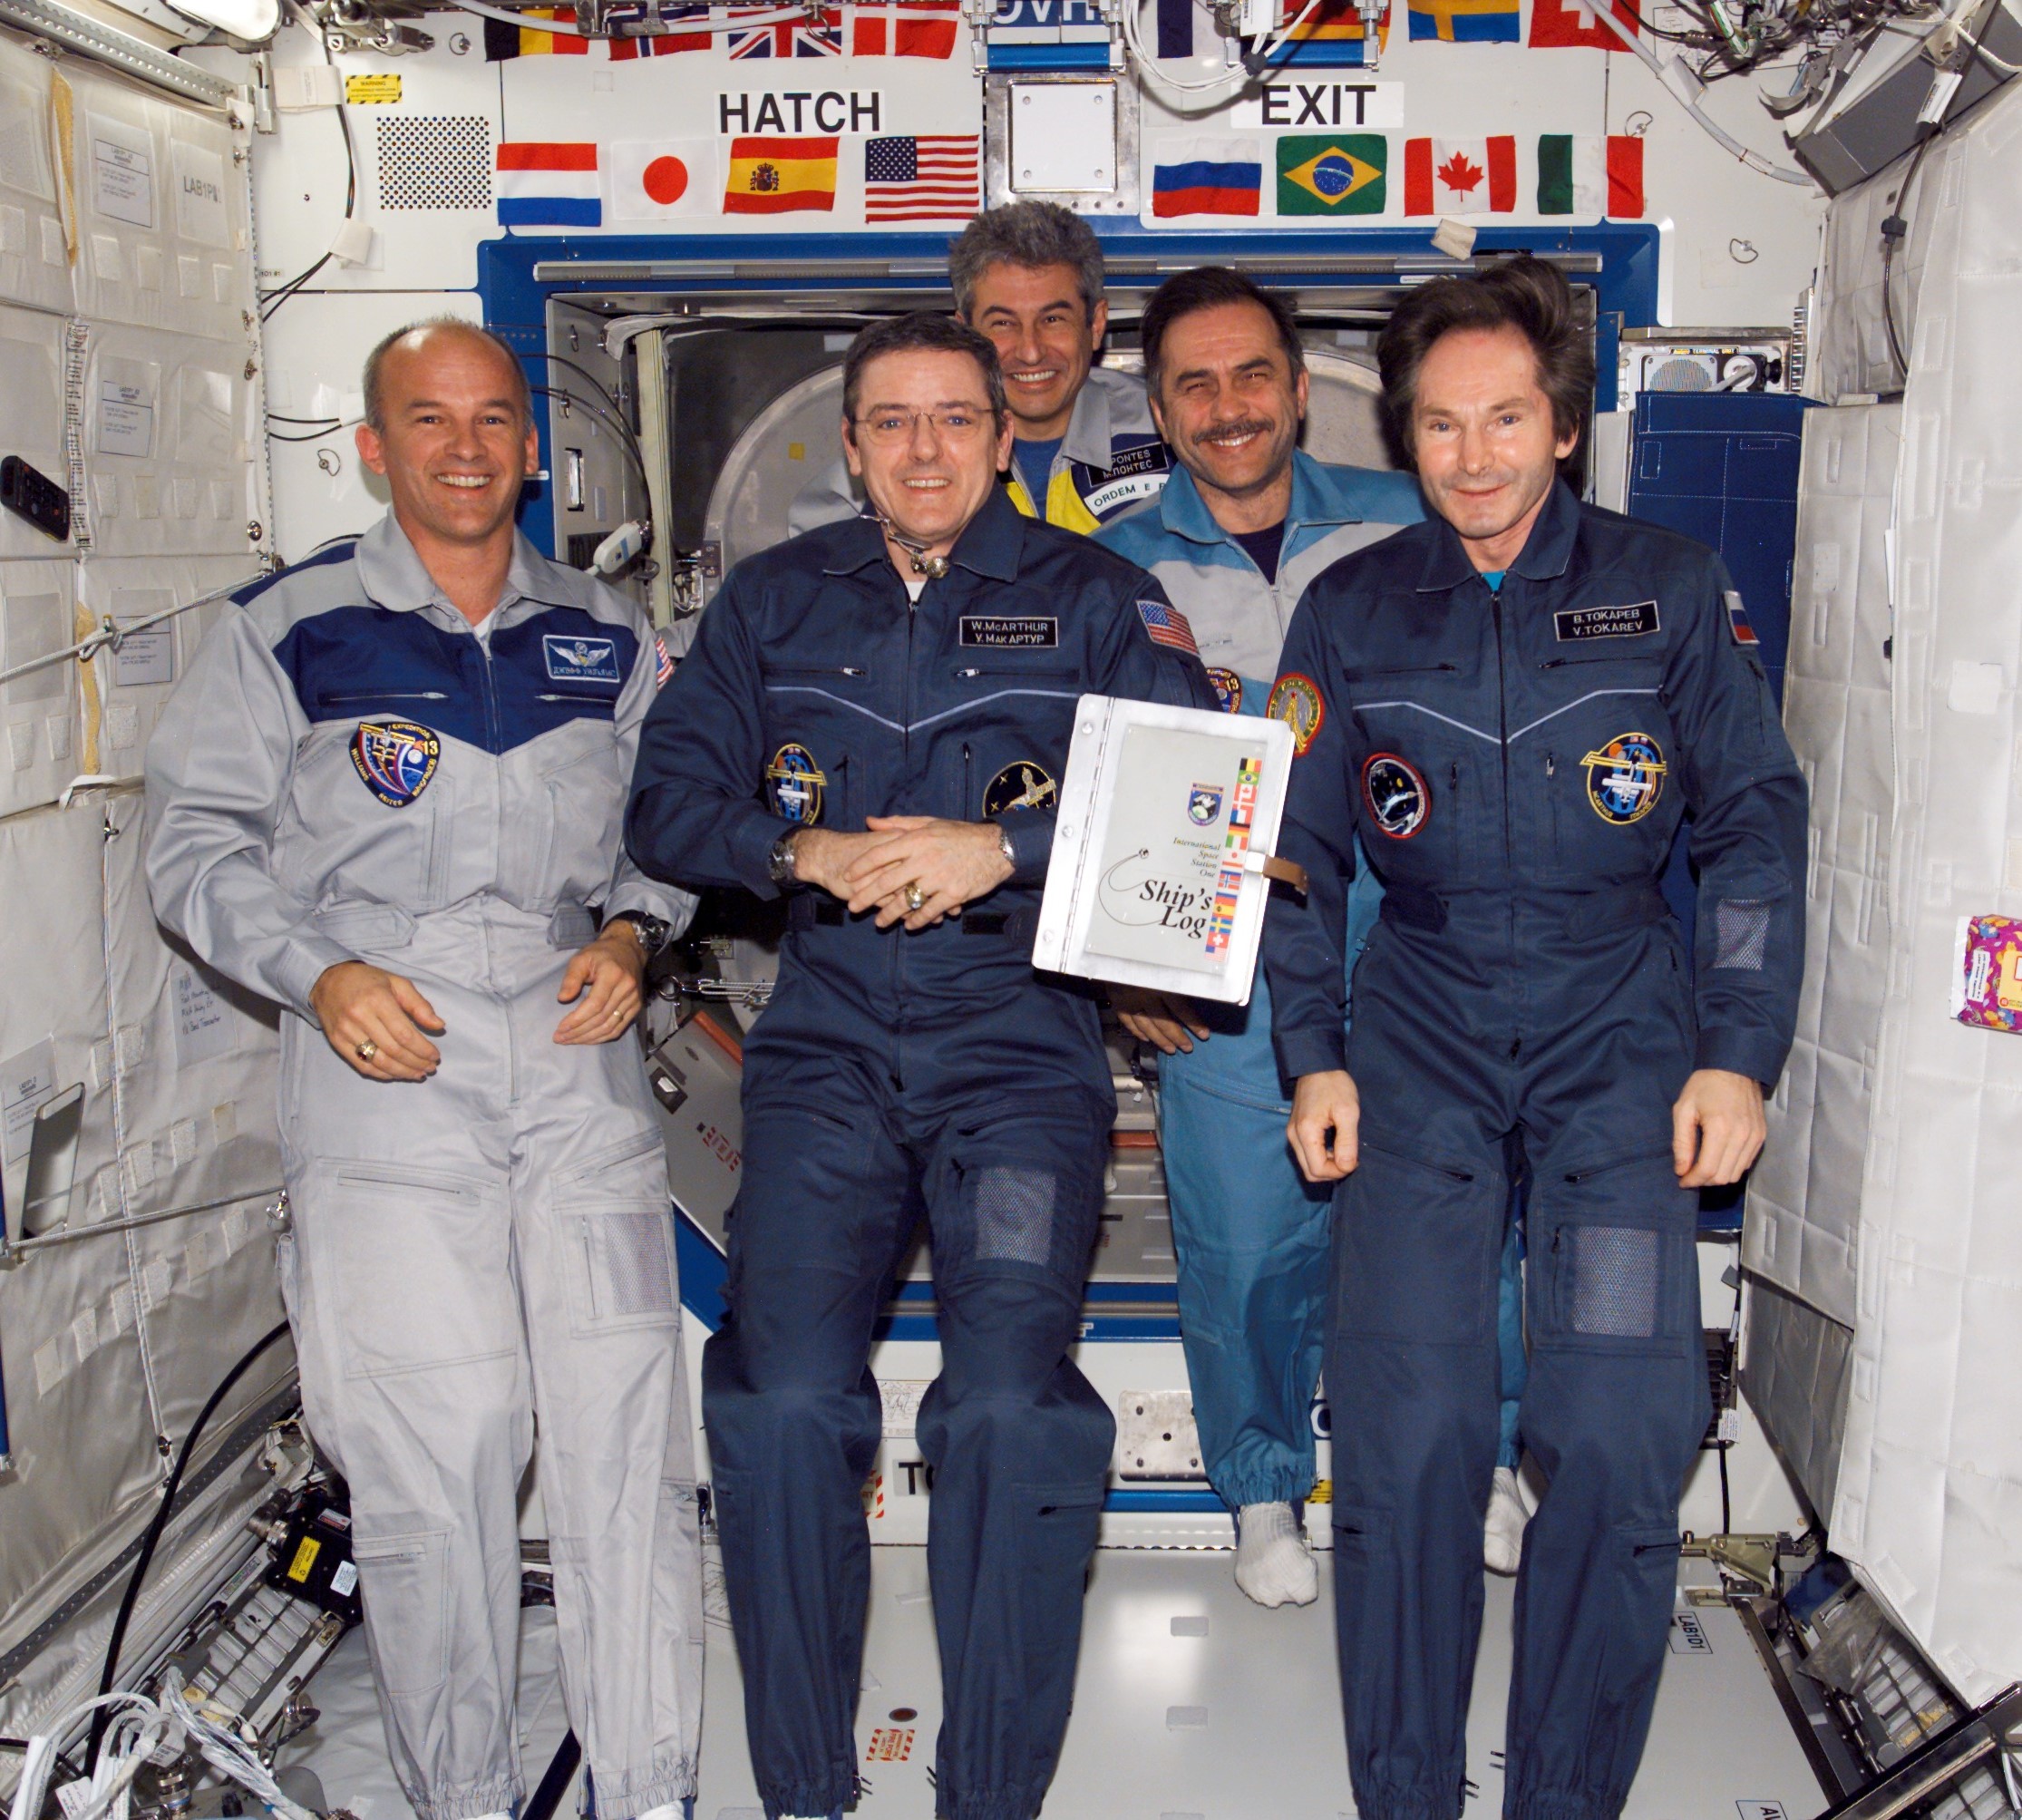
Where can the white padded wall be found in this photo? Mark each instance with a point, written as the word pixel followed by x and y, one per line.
pixel 38 711
pixel 35 263
pixel 1929 1499
pixel 1803 1197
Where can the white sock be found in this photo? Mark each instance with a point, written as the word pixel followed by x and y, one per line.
pixel 1273 1564
pixel 1503 1535
pixel 669 1810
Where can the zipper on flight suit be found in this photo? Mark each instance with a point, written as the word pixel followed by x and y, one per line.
pixel 1502 731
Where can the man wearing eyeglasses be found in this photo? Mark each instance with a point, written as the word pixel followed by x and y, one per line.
pixel 873 719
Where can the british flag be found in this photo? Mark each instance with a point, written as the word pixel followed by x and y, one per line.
pixel 811 37
pixel 1168 626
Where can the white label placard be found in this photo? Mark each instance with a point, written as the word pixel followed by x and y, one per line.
pixel 203 1020
pixel 27 1083
pixel 125 418
pixel 1688 1635
pixel 1320 103
pixel 201 211
pixel 123 172
pixel 148 655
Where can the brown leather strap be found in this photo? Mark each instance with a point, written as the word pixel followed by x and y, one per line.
pixel 1287 872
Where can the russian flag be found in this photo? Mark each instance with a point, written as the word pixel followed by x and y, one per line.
pixel 547 184
pixel 1208 177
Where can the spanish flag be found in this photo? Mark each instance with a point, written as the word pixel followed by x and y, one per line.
pixel 778 175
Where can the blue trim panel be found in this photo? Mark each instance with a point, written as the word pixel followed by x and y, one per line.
pixel 516 304
pixel 1049 56
pixel 1147 1499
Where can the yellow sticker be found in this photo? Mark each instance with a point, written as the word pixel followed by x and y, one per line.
pixel 363 90
pixel 305 1558
pixel 1322 1492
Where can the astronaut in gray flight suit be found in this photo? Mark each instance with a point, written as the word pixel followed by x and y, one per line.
pixel 387 794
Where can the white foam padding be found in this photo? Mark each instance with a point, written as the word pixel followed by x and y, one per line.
pixel 40 719
pixel 168 443
pixel 35 262
pixel 32 386
pixel 163 212
pixel 1803 1196
pixel 1930 1499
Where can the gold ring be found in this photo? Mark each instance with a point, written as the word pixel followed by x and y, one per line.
pixel 367 1050
pixel 916 898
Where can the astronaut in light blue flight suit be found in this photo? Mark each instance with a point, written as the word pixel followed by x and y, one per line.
pixel 1246 521
pixel 873 720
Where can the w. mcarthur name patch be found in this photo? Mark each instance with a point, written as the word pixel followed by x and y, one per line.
pixel 1024 633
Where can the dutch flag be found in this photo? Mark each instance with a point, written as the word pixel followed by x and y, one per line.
pixel 547 184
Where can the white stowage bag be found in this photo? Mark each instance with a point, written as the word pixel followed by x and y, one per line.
pixel 1928 1506
pixel 34 261
pixel 1803 1197
pixel 40 743
pixel 117 1338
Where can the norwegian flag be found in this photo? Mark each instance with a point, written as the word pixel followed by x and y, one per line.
pixel 1168 626
pixel 659 43
pixel 904 28
pixel 811 37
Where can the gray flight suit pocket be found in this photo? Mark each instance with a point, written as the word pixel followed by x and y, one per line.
pixel 617 1220
pixel 422 1262
pixel 405 1581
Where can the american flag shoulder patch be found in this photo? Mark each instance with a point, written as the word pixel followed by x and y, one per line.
pixel 663 665
pixel 1168 626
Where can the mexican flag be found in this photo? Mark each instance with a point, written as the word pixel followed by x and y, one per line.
pixel 1590 176
pixel 1461 176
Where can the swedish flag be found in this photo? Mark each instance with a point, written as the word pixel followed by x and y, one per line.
pixel 1322 176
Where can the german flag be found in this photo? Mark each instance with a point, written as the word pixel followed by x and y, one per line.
pixel 778 175
pixel 504 42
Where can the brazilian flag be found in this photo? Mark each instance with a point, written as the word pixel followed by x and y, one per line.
pixel 1344 175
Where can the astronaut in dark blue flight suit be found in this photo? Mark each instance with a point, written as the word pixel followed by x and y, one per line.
pixel 1515 703
pixel 893 764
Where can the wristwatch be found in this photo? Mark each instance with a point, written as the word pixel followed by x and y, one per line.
pixel 779 860
pixel 1004 843
pixel 654 932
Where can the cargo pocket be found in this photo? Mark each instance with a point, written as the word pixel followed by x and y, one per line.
pixel 618 1222
pixel 1031 1218
pixel 1611 1259
pixel 1418 1247
pixel 404 1582
pixel 421 1261
pixel 1058 1528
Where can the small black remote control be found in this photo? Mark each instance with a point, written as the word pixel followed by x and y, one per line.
pixel 32 495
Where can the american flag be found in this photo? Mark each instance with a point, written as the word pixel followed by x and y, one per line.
pixel 921 177
pixel 796 38
pixel 1168 626
pixel 663 663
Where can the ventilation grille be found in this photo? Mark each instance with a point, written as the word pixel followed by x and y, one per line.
pixel 1680 373
pixel 436 161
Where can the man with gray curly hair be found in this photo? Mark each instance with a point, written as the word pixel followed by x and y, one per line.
pixel 1084 449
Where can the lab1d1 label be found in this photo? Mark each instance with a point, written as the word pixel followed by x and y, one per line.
pixel 1762 1810
pixel 1688 1635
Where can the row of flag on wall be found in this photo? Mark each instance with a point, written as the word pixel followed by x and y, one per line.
pixel 875 28
pixel 907 177
pixel 1352 175
pixel 1334 32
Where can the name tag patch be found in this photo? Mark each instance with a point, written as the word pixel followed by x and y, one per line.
pixel 580 660
pixel 1575 623
pixel 1011 635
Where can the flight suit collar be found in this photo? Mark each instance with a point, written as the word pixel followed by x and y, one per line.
pixel 395 576
pixel 1088 426
pixel 1184 513
pixel 1546 555
pixel 989 544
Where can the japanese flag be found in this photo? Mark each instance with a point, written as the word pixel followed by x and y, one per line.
pixel 1461 176
pixel 654 178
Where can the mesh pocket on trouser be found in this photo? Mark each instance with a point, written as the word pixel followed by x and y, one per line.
pixel 1012 1210
pixel 1616 1273
pixel 1741 933
pixel 632 1266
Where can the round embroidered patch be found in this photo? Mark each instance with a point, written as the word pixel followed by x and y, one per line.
pixel 1397 794
pixel 793 785
pixel 1296 700
pixel 1625 778
pixel 395 758
pixel 1021 785
pixel 1228 690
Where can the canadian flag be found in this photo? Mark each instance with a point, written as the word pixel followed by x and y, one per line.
pixel 1461 176
pixel 652 178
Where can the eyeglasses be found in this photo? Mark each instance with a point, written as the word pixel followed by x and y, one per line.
pixel 952 424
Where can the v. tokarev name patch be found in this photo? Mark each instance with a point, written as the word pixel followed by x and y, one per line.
pixel 1574 623
pixel 1020 634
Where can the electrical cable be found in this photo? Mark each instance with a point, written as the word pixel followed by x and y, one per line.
pixel 1247 71
pixel 603 391
pixel 152 1538
pixel 272 300
pixel 567 28
pixel 1754 160
pixel 314 435
pixel 626 440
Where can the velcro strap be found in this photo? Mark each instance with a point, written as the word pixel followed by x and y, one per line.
pixel 1012 925
pixel 805 908
pixel 1617 908
pixel 808 909
pixel 1414 907
pixel 1286 872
